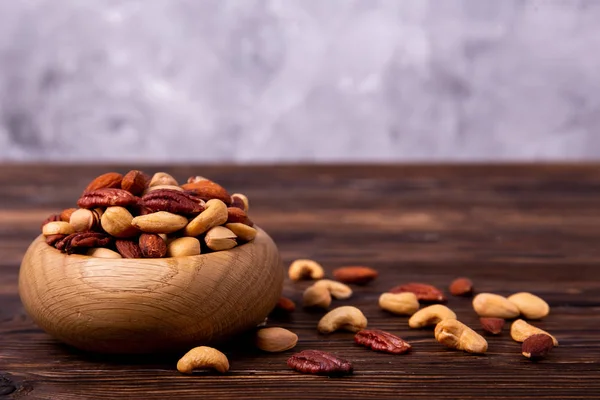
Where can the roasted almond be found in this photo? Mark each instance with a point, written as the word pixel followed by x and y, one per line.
pixel 207 190
pixel 135 182
pixel 108 180
pixel 128 248
pixel 461 287
pixel 492 325
pixel 65 215
pixel 423 291
pixel 286 305
pixel 537 346
pixel 235 215
pixel 152 245
pixel 355 274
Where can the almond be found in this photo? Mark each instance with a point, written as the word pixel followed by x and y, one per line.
pixel 355 274
pixel 128 248
pixel 423 291
pixel 286 305
pixel 108 180
pixel 492 325
pixel 152 245
pixel 537 346
pixel 207 190
pixel 65 215
pixel 461 287
pixel 135 182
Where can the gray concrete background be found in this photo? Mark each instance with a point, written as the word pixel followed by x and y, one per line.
pixel 299 80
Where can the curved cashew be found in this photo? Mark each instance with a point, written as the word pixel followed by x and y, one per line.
pixel 495 306
pixel 456 335
pixel 215 214
pixel 399 303
pixel 316 296
pixel 319 294
pixel 521 330
pixel 430 316
pixel 303 268
pixel 338 290
pixel 242 231
pixel 345 318
pixel 203 357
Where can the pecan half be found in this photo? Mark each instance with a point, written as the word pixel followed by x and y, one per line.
pixel 381 341
pixel 135 182
pixel 152 245
pixel 320 363
pixel 128 248
pixel 51 218
pixel 172 201
pixel 235 214
pixel 83 240
pixel 106 198
pixel 52 240
pixel 423 291
pixel 207 190
pixel 108 180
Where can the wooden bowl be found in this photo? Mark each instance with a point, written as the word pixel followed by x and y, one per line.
pixel 150 305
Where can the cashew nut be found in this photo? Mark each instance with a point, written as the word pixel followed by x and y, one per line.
pixel 301 269
pixel 430 316
pixel 316 296
pixel 243 231
pixel 319 294
pixel 456 335
pixel 530 306
pixel 399 303
pixel 203 357
pixel 521 330
pixel 338 290
pixel 347 318
pixel 215 214
pixel 495 306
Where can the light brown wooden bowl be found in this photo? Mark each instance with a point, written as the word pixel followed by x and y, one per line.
pixel 150 305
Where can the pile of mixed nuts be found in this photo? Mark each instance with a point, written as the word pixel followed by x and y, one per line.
pixel 138 216
pixel 405 299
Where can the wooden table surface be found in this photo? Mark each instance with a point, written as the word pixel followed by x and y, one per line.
pixel 508 228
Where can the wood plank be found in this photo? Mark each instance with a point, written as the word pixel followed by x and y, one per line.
pixel 509 228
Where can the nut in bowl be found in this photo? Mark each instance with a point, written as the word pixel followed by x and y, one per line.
pixel 148 289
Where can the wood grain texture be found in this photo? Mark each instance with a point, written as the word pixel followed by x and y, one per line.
pixel 508 228
pixel 150 305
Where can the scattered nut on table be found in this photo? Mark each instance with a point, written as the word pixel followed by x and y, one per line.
pixel 454 334
pixel 203 357
pixel 430 315
pixel 346 318
pixel 305 269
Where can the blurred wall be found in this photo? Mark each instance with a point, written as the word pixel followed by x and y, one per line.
pixel 299 80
